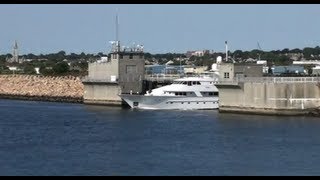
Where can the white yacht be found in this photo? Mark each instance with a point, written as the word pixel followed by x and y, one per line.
pixel 184 93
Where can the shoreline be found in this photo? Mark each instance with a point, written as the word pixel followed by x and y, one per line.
pixel 270 111
pixel 61 99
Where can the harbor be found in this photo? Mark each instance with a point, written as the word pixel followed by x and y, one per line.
pixel 159 90
pixel 129 76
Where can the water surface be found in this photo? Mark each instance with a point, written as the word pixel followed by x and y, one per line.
pixel 43 138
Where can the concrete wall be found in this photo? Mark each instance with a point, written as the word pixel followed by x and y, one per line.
pixel 226 68
pixel 240 70
pixel 267 97
pixel 248 70
pixel 103 70
pixel 102 94
pixel 131 78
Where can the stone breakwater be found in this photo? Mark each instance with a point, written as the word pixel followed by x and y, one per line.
pixel 41 88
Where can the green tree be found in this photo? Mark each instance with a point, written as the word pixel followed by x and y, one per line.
pixel 29 69
pixel 83 65
pixel 61 68
pixel 284 51
pixel 296 50
pixel 147 56
pixel 307 52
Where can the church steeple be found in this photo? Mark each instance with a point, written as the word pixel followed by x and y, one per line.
pixel 15 45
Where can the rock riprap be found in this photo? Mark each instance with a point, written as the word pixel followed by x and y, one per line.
pixel 46 86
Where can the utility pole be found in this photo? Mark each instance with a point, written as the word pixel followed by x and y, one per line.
pixel 260 50
pixel 226 50
pixel 180 66
pixel 117 33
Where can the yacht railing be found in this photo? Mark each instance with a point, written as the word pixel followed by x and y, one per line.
pixel 270 80
pixel 171 77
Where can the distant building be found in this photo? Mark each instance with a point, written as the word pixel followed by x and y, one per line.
pixel 281 70
pixel 14 69
pixel 195 69
pixel 189 53
pixel 37 69
pixel 265 68
pixel 311 62
pixel 316 70
pixel 74 67
pixel 164 69
pixel 199 53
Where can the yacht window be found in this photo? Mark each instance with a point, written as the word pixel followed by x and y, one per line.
pixel 197 102
pixel 176 94
pixel 171 102
pixel 216 93
pixel 194 83
pixel 210 93
pixel 198 83
pixel 189 83
pixel 184 93
pixel 204 102
pixel 185 82
pixel 181 102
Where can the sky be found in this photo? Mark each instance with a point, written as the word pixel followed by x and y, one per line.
pixel 161 28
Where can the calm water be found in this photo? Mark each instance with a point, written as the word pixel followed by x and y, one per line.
pixel 40 138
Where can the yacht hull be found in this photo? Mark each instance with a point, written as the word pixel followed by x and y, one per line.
pixel 170 102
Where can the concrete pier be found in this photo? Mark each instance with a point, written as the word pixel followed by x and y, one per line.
pixel 270 95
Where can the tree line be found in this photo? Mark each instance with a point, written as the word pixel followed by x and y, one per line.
pixel 58 63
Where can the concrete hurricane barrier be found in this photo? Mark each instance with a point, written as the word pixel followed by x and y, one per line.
pixel 271 95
